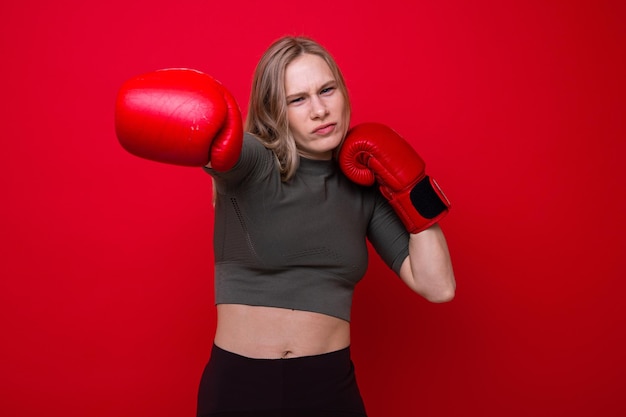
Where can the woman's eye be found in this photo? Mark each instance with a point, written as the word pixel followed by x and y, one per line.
pixel 328 90
pixel 295 100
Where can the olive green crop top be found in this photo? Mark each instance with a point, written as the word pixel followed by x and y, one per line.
pixel 299 244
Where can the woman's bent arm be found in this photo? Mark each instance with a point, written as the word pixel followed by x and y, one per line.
pixel 428 269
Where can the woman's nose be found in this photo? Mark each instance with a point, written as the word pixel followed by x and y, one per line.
pixel 318 108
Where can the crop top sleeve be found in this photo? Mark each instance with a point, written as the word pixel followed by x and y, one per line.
pixel 300 244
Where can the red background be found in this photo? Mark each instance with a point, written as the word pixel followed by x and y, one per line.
pixel 517 107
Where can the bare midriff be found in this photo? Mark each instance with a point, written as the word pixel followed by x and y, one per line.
pixel 274 333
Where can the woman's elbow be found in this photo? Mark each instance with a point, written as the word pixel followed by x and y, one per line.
pixel 440 296
pixel 436 286
pixel 441 292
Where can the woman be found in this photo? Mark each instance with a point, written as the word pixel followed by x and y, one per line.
pixel 299 109
pixel 290 237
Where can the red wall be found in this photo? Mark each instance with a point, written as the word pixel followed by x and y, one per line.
pixel 517 106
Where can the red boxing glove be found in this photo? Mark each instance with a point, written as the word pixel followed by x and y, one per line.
pixel 374 152
pixel 179 116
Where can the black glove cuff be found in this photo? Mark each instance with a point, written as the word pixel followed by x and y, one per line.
pixel 427 200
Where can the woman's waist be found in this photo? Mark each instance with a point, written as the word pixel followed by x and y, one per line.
pixel 273 333
pixel 310 288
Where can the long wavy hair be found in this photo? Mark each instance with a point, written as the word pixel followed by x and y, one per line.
pixel 267 109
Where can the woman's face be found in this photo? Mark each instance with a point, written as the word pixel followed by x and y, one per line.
pixel 316 108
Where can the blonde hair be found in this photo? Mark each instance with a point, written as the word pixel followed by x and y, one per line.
pixel 267 108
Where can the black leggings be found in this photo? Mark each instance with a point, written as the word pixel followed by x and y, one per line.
pixel 322 385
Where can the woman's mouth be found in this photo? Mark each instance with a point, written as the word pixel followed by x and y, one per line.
pixel 325 129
